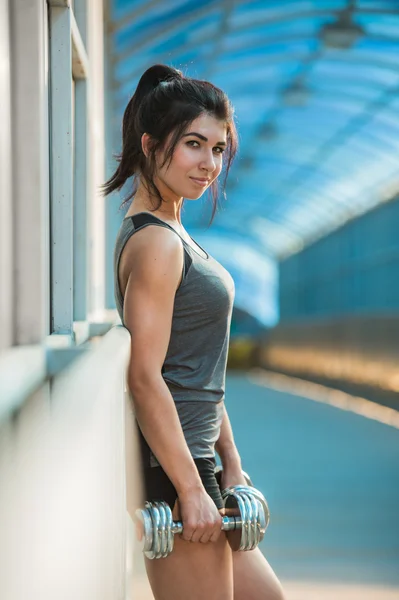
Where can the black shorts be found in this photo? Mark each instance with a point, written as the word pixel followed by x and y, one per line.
pixel 157 485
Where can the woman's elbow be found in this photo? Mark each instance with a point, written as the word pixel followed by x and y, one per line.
pixel 142 379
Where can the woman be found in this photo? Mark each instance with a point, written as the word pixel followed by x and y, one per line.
pixel 176 301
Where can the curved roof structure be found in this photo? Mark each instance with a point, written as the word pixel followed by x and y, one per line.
pixel 315 88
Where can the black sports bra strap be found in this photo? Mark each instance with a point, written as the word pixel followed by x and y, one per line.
pixel 145 218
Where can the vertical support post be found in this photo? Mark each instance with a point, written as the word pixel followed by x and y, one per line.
pixel 80 220
pixel 113 216
pixel 62 171
pixel 6 255
pixel 81 233
pixel 30 169
pixel 95 51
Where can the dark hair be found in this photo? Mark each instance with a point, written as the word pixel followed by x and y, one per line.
pixel 165 102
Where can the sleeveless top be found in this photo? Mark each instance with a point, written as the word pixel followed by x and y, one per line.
pixel 195 364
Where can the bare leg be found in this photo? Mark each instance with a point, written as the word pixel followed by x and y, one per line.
pixel 254 579
pixel 193 570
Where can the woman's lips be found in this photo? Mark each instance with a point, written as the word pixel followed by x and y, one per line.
pixel 201 182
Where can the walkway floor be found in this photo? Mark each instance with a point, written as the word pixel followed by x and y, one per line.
pixel 332 484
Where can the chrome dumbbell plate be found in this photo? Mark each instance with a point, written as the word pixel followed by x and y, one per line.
pixel 160 535
pixel 265 514
pixel 144 527
pixel 252 506
pixel 156 522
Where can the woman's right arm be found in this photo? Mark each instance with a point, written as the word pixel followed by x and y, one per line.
pixel 154 260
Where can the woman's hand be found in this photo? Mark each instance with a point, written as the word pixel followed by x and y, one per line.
pixel 202 521
pixel 232 476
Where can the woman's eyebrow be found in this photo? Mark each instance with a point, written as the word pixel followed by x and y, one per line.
pixel 202 137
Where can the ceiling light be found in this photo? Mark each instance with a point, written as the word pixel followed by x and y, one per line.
pixel 343 33
pixel 296 94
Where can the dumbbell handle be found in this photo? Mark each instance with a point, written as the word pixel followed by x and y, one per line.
pixel 228 524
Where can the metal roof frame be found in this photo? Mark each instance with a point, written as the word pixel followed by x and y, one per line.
pixel 351 90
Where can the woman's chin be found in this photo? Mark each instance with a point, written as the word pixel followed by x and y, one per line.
pixel 192 196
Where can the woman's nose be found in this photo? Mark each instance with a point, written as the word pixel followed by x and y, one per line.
pixel 208 162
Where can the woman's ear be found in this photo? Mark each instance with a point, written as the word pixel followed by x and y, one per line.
pixel 145 144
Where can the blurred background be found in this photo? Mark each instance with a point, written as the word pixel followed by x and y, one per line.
pixel 308 230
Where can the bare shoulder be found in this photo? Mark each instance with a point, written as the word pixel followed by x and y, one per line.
pixel 153 253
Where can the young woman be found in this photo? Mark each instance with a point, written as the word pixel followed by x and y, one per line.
pixel 176 301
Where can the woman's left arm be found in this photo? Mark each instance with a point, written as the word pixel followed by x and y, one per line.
pixel 229 456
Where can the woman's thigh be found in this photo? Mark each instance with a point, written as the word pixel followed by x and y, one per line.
pixel 212 571
pixel 193 571
pixel 254 579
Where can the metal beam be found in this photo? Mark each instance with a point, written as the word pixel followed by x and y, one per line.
pixel 113 215
pixel 62 171
pixel 30 170
pixel 6 194
pixel 80 61
pixel 274 86
pixel 166 32
pixel 132 15
pixel 80 12
pixel 341 135
pixel 367 113
pixel 218 38
pixel 81 230
pixel 170 56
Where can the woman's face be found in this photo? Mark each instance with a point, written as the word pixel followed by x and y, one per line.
pixel 197 160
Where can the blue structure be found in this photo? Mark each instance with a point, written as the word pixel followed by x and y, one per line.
pixel 352 271
pixel 315 90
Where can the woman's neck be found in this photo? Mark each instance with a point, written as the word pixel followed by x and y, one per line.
pixel 143 201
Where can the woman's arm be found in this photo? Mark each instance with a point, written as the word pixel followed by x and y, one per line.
pixel 225 446
pixel 229 456
pixel 153 263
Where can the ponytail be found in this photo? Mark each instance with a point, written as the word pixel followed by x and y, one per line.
pixel 131 158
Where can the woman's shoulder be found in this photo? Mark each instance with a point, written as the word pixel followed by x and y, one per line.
pixel 153 250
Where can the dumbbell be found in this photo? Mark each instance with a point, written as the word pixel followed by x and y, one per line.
pixel 235 543
pixel 245 530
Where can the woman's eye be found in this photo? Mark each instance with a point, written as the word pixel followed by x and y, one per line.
pixel 216 149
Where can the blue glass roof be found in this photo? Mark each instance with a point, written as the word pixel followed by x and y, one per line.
pixel 315 88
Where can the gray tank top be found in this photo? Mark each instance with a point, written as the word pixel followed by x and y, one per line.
pixel 195 364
